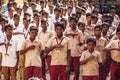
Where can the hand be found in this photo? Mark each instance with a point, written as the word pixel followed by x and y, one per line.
pixel 90 57
pixel 67 70
pixel 16 68
pixel 31 47
pixel 59 46
pixel 43 56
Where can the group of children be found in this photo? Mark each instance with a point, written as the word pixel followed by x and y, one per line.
pixel 59 39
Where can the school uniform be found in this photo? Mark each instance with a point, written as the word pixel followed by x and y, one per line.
pixel 9 58
pixel 33 62
pixel 115 55
pixel 90 70
pixel 43 37
pixel 75 49
pixel 100 45
pixel 58 58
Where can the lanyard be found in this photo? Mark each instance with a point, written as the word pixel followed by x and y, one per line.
pixel 60 40
pixel 26 35
pixel 6 46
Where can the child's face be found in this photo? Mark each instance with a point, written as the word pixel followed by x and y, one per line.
pixel 9 31
pixel 104 28
pixel 33 34
pixel 17 19
pixel 82 27
pixel 97 31
pixel 73 23
pixel 44 25
pixel 94 20
pixel 89 18
pixel 90 46
pixel 59 30
pixel 118 35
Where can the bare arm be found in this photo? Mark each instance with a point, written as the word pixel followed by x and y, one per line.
pixel 26 49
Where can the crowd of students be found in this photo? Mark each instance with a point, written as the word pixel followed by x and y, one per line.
pixel 40 36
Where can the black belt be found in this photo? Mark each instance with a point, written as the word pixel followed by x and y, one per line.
pixel 116 62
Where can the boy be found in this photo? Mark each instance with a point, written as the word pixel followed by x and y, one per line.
pixel 89 28
pixel 44 35
pixel 114 47
pixel 76 39
pixel 89 61
pixel 101 42
pixel 32 50
pixel 8 48
pixel 60 54
pixel 81 26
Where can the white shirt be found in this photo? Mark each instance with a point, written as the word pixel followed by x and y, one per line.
pixel 11 59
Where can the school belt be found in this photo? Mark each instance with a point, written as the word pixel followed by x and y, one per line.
pixel 118 63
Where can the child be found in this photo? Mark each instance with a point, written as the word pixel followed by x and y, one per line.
pixel 114 47
pixel 76 39
pixel 60 54
pixel 81 26
pixel 32 49
pixel 101 42
pixel 89 61
pixel 89 27
pixel 44 36
pixel 8 48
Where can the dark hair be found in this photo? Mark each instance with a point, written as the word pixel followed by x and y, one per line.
pixel 81 23
pixel 73 18
pixel 16 15
pixel 118 29
pixel 33 28
pixel 98 26
pixel 42 20
pixel 89 14
pixel 59 24
pixel 91 40
pixel 7 26
pixel 105 23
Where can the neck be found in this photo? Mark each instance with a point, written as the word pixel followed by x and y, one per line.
pixel 98 37
pixel 89 23
pixel 44 30
pixel 32 39
pixel 9 37
pixel 60 36
pixel 105 33
pixel 91 51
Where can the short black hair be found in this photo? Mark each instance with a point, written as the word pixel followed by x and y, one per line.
pixel 118 29
pixel 59 24
pixel 93 40
pixel 81 23
pixel 105 23
pixel 33 28
pixel 98 26
pixel 7 26
pixel 89 14
pixel 73 18
pixel 16 15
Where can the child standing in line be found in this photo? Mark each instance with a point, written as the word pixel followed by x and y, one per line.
pixel 101 42
pixel 89 61
pixel 8 48
pixel 114 48
pixel 60 54
pixel 32 50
